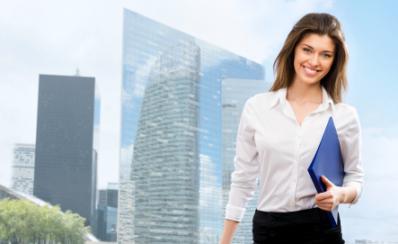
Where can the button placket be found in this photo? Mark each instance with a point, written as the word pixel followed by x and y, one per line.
pixel 299 135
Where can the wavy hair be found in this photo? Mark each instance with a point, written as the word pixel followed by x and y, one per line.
pixel 335 81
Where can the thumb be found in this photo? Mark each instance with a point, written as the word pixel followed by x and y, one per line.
pixel 327 182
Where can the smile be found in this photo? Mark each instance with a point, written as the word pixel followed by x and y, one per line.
pixel 310 71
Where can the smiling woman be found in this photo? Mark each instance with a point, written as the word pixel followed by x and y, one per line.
pixel 278 136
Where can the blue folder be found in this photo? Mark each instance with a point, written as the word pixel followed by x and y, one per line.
pixel 328 162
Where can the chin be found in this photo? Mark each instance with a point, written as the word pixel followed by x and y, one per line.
pixel 310 81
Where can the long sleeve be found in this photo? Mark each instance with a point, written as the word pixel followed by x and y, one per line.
pixel 351 152
pixel 244 177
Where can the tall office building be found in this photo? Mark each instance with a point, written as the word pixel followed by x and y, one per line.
pixel 23 168
pixel 125 233
pixel 171 133
pixel 107 213
pixel 125 212
pixel 65 161
pixel 235 92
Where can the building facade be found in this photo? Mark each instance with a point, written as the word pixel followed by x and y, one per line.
pixel 107 213
pixel 65 161
pixel 125 219
pixel 171 135
pixel 23 168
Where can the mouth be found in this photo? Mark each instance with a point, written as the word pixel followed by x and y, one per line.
pixel 310 71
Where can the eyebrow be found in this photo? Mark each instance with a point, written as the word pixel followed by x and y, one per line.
pixel 326 51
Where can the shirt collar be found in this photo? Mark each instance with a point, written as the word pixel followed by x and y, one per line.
pixel 327 101
pixel 279 97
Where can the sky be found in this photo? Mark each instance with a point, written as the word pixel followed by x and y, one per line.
pixel 57 37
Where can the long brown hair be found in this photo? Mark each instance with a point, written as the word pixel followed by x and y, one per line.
pixel 335 81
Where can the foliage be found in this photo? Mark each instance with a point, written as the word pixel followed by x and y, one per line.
pixel 24 222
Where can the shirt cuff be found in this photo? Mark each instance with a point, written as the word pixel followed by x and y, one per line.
pixel 234 213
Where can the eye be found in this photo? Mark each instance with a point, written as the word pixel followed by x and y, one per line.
pixel 306 49
pixel 327 55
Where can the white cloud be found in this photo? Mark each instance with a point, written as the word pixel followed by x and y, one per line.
pixel 56 37
pixel 377 205
pixel 252 29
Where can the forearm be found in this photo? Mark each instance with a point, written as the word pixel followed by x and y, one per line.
pixel 347 194
pixel 228 232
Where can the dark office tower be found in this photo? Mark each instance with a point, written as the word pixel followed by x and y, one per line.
pixel 65 161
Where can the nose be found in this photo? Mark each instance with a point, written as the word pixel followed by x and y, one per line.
pixel 314 59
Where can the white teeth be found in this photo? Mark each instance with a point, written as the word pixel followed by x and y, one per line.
pixel 310 71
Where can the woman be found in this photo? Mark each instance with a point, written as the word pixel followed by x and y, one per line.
pixel 279 133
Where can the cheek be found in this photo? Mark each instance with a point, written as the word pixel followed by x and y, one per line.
pixel 297 61
pixel 298 57
pixel 296 66
pixel 328 66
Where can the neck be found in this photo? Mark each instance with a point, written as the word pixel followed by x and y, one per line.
pixel 303 93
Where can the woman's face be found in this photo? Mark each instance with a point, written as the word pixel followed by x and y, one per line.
pixel 313 58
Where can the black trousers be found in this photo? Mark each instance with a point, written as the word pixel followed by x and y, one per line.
pixel 302 227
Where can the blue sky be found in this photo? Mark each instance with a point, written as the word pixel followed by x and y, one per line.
pixel 372 35
pixel 56 37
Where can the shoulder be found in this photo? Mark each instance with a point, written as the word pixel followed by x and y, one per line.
pixel 344 110
pixel 260 101
pixel 256 107
pixel 346 116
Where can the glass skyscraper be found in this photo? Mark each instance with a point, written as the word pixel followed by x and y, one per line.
pixel 107 213
pixel 171 134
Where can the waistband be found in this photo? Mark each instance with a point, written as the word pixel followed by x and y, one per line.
pixel 314 216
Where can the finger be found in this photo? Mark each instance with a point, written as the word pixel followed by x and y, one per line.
pixel 322 196
pixel 325 202
pixel 327 182
pixel 326 208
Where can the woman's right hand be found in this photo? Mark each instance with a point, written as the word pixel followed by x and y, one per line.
pixel 228 232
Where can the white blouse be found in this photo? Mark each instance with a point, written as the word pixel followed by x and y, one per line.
pixel 272 147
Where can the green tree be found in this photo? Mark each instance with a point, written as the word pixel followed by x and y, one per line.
pixel 24 222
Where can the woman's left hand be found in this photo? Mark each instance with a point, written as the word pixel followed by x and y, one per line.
pixel 331 198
